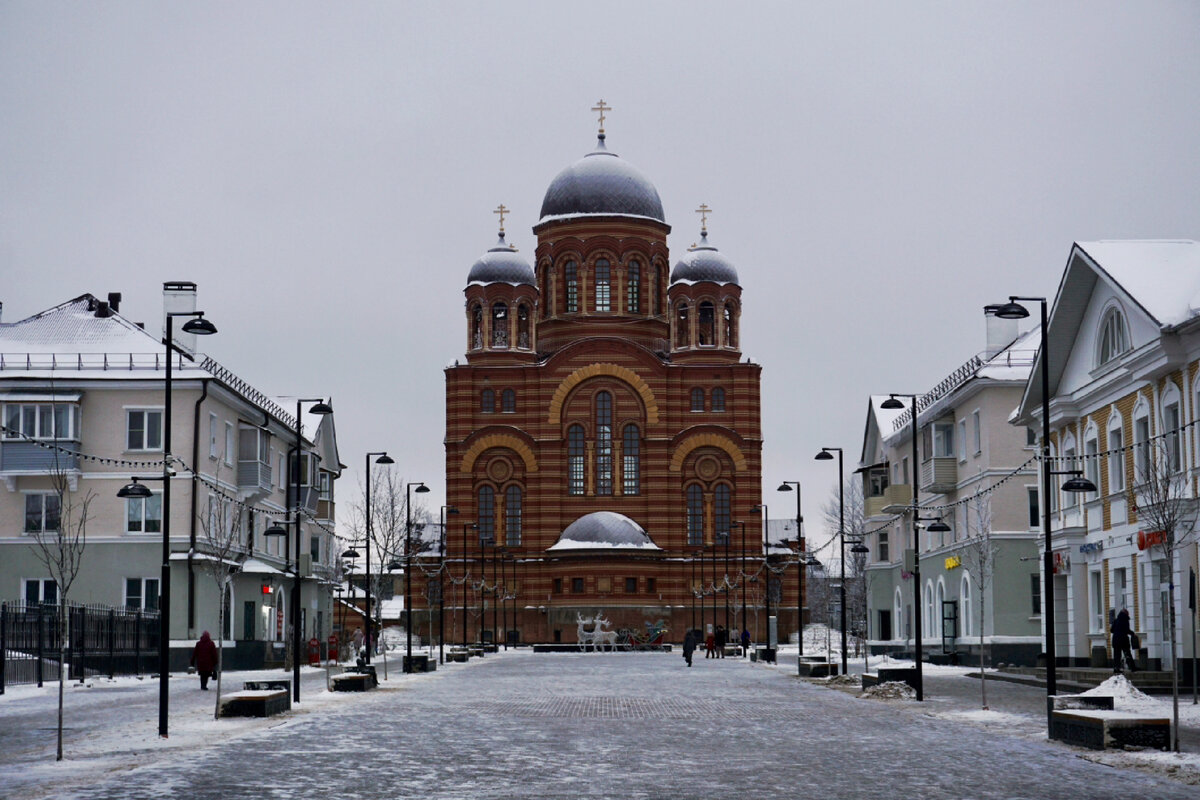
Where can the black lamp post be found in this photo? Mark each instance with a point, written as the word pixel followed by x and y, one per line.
pixel 769 653
pixel 421 489
pixel 384 458
pixel 442 585
pixel 786 486
pixel 692 557
pixel 349 555
pixel 467 526
pixel 199 326
pixel 742 574
pixel 826 455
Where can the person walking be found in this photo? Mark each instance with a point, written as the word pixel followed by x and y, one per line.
pixel 745 642
pixel 722 640
pixel 710 645
pixel 204 659
pixel 1120 642
pixel 689 646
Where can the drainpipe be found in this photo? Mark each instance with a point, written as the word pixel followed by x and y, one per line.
pixel 191 587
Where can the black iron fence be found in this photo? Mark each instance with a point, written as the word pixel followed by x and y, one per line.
pixel 100 640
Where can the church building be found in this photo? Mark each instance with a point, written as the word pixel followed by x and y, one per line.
pixel 603 437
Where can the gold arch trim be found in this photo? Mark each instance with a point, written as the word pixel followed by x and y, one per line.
pixel 611 370
pixel 708 440
pixel 499 440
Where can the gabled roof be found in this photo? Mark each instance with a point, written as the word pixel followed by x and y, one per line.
pixel 877 427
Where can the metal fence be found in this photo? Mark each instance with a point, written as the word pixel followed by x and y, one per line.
pixel 100 640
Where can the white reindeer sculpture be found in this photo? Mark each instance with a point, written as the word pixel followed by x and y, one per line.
pixel 597 637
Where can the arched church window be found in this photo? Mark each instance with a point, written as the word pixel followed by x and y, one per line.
pixel 603 285
pixel 523 326
pixel 604 465
pixel 487 401
pixel 486 520
pixel 722 519
pixel 575 459
pixel 545 290
pixel 681 326
pixel 730 326
pixel 633 292
pixel 718 399
pixel 1114 339
pixel 695 516
pixel 707 333
pixel 512 516
pixel 655 295
pixel 508 401
pixel 571 279
pixel 631 454
pixel 476 327
pixel 500 325
pixel 697 399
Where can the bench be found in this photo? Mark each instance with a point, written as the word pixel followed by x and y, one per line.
pixel 1099 729
pixel 419 663
pixel 356 679
pixel 1086 702
pixel 764 654
pixel 733 650
pixel 906 675
pixel 256 703
pixel 476 651
pixel 276 683
pixel 817 669
pixel 458 655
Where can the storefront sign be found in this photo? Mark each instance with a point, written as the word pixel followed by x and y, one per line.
pixel 953 562
pixel 1150 538
pixel 1091 547
pixel 1062 562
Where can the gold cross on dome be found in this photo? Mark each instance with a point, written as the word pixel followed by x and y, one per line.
pixel 704 211
pixel 601 107
pixel 501 210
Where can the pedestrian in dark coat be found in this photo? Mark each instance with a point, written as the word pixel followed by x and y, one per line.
pixel 710 645
pixel 745 642
pixel 689 646
pixel 722 640
pixel 1120 642
pixel 204 659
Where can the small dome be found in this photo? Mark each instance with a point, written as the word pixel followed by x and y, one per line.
pixel 601 183
pixel 604 529
pixel 501 264
pixel 704 262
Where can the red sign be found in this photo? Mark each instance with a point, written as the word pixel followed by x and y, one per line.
pixel 1148 539
pixel 314 652
pixel 1062 562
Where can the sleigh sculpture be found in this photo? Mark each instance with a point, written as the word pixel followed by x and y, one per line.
pixel 653 639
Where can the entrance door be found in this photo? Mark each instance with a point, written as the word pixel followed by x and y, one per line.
pixel 248 620
pixel 885 625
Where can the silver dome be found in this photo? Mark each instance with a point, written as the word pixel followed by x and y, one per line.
pixel 601 183
pixel 703 262
pixel 604 529
pixel 501 264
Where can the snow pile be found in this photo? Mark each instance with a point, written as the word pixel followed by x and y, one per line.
pixel 842 680
pixel 1126 696
pixel 892 690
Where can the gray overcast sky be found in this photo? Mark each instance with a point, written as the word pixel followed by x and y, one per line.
pixel 326 173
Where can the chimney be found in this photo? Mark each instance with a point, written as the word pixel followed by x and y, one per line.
pixel 179 296
pixel 114 301
pixel 102 310
pixel 1000 334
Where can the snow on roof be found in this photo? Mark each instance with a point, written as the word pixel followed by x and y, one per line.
pixel 884 417
pixel 73 327
pixel 1161 275
pixel 1014 362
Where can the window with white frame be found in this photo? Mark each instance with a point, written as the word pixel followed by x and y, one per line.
pixel 1070 462
pixel 1116 454
pixel 1035 518
pixel 881 549
pixel 964 605
pixel 41 421
pixel 1120 585
pixel 213 425
pixel 43 512
pixel 141 593
pixel 1091 460
pixel 143 515
pixel 962 440
pixel 144 429
pixel 938 439
pixel 1114 339
pixel 978 432
pixel 1171 438
pixel 254 445
pixel 1095 602
pixel 231 444
pixel 1141 446
pixel 40 591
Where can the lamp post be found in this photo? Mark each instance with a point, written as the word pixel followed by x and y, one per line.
pixel 1014 310
pixel 421 489
pixel 199 326
pixel 350 555
pixel 826 455
pixel 692 557
pixel 446 510
pixel 742 575
pixel 725 586
pixel 467 526
pixel 385 459
pixel 769 653
pixel 786 486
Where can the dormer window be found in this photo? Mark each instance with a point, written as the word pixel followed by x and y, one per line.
pixel 603 285
pixel 500 325
pixel 1114 338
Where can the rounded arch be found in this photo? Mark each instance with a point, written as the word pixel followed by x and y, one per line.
pixel 498 440
pixel 939 597
pixel 1112 337
pixel 964 605
pixel 899 622
pixel 708 440
pixel 613 371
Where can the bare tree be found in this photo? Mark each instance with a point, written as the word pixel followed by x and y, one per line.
pixel 1160 499
pixel 59 545
pixel 978 554
pixel 223 556
pixel 851 516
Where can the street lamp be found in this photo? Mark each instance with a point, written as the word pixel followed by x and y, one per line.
pixel 199 326
pixel 421 489
pixel 467 526
pixel 768 653
pixel 1014 310
pixel 742 576
pixel 385 459
pixel 441 584
pixel 786 486
pixel 826 455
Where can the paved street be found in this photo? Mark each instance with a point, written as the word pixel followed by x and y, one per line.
pixel 620 725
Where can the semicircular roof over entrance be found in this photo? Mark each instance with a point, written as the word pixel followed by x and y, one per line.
pixel 604 530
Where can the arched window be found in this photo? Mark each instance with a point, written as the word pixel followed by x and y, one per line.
pixel 927 611
pixel 631 452
pixel 633 292
pixel 655 295
pixel 500 325
pixel 603 285
pixel 718 399
pixel 695 516
pixel 1116 450
pixel 604 465
pixel 572 287
pixel 487 401
pixel 707 335
pixel 508 401
pixel 900 623
pixel 964 605
pixel 523 340
pixel 681 326
pixel 1142 470
pixel 512 516
pixel 722 519
pixel 730 326
pixel 697 399
pixel 545 290
pixel 486 520
pixel 575 459
pixel 476 327
pixel 939 597
pixel 1114 339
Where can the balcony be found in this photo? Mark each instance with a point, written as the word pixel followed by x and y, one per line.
pixel 25 457
pixel 254 477
pixel 309 495
pixel 939 474
pixel 325 510
pixel 894 498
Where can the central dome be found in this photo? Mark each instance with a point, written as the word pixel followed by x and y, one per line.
pixel 601 183
pixel 604 529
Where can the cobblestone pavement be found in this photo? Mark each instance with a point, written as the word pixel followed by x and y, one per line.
pixel 628 726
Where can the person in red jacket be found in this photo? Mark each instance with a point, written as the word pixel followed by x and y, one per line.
pixel 204 659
